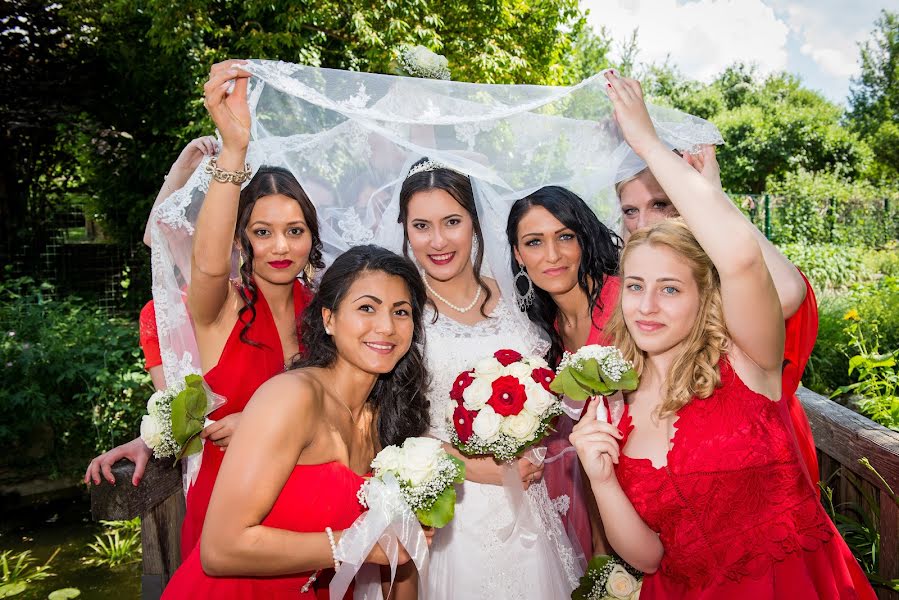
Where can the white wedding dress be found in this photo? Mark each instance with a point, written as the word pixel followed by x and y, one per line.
pixel 488 551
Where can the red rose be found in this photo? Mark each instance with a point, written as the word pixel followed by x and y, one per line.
pixel 462 381
pixel 507 357
pixel 544 377
pixel 508 396
pixel 462 422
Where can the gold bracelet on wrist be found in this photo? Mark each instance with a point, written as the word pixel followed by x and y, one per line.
pixel 222 176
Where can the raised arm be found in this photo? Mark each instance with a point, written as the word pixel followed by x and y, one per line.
pixel 752 309
pixel 214 235
pixel 180 172
pixel 787 280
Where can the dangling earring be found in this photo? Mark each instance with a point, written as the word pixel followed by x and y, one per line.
pixel 474 248
pixel 309 272
pixel 524 298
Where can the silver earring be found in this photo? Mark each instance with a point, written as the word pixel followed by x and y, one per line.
pixel 524 289
pixel 474 248
pixel 327 331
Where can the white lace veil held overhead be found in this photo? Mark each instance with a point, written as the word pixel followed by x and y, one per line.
pixel 350 139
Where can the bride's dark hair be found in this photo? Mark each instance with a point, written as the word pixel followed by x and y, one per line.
pixel 458 186
pixel 399 397
pixel 600 247
pixel 269 181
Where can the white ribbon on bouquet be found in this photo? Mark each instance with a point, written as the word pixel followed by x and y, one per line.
pixel 389 522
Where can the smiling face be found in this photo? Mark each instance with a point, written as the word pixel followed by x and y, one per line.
pixel 279 237
pixel 440 232
pixel 548 250
pixel 643 202
pixel 660 299
pixel 372 327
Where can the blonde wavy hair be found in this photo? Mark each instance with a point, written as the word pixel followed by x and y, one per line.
pixel 694 371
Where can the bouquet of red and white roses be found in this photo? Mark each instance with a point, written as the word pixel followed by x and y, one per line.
pixel 503 405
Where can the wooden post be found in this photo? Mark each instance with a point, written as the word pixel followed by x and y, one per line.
pixel 159 501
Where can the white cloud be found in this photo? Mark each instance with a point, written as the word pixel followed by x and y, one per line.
pixel 825 38
pixel 701 37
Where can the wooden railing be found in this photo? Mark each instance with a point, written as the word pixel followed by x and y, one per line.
pixel 841 435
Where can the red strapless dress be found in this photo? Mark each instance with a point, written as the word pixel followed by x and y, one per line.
pixel 313 497
pixel 241 369
pixel 735 512
pixel 562 472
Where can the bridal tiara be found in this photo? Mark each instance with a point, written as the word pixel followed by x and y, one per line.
pixel 431 165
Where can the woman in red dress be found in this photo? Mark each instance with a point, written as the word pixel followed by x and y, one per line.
pixel 246 331
pixel 289 479
pixel 705 490
pixel 568 259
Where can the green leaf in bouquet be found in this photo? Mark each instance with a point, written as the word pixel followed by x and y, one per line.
pixel 441 512
pixel 460 468
pixel 189 410
pixel 565 383
pixel 629 381
pixel 585 585
pixel 193 446
pixel 593 385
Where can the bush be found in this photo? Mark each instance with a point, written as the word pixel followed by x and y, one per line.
pixel 829 266
pixel 72 376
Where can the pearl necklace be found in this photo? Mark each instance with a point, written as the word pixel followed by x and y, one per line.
pixel 458 309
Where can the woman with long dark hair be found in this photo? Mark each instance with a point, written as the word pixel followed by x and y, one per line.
pixel 245 330
pixel 467 320
pixel 565 262
pixel 308 436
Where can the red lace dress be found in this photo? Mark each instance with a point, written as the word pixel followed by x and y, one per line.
pixel 149 338
pixel 562 472
pixel 734 510
pixel 801 331
pixel 241 369
pixel 313 497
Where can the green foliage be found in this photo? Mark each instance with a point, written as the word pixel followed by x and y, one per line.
pixel 827 265
pixel 118 544
pixel 856 522
pixel 64 594
pixel 18 571
pixel 72 376
pixel 874 96
pixel 876 375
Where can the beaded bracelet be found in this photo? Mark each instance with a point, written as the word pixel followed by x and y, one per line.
pixel 333 548
pixel 223 176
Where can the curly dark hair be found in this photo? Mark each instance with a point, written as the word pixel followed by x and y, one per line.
pixel 458 186
pixel 267 182
pixel 600 247
pixel 400 396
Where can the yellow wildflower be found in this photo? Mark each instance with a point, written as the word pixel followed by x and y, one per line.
pixel 851 315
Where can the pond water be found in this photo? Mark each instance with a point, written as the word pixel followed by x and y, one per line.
pixel 66 524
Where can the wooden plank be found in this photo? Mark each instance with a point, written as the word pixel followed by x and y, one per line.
pixel 161 544
pixel 888 565
pixel 124 501
pixel 848 436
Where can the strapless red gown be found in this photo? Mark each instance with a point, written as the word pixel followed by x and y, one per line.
pixel 735 512
pixel 562 472
pixel 241 369
pixel 314 497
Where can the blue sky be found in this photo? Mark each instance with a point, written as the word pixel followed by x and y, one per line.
pixel 815 39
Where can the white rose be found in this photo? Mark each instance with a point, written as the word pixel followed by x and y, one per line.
pixel 150 431
pixel 521 426
pixel 388 459
pixel 153 402
pixel 520 370
pixel 486 424
pixel 477 394
pixel 620 583
pixel 535 362
pixel 539 400
pixel 422 459
pixel 488 368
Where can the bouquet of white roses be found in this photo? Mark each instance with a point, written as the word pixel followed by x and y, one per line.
pixel 426 475
pixel 175 417
pixel 503 405
pixel 609 578
pixel 594 371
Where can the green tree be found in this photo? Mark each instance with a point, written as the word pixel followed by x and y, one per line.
pixel 874 95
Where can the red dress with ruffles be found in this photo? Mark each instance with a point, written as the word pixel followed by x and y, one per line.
pixel 562 472
pixel 313 497
pixel 735 512
pixel 241 369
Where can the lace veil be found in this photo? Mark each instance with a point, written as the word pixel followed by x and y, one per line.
pixel 350 138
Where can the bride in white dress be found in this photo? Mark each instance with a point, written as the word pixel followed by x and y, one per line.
pixel 501 544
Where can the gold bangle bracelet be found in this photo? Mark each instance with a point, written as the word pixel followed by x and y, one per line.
pixel 222 176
